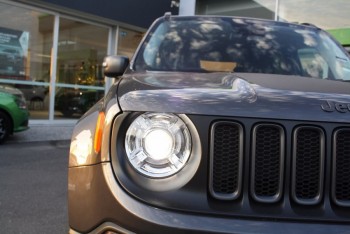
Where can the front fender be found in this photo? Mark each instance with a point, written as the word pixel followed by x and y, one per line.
pixel 82 152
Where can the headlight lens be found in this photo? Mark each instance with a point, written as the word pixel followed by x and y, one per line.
pixel 21 102
pixel 158 145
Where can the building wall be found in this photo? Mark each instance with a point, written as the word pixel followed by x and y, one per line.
pixel 139 13
pixel 243 8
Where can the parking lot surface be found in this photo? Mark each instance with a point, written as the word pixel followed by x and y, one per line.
pixel 33 182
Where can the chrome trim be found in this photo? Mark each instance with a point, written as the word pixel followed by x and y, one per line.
pixel 176 181
pixel 105 227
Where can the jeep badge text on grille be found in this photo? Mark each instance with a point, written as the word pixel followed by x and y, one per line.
pixel 330 106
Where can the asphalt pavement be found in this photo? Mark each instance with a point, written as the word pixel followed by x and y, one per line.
pixel 33 179
pixel 43 132
pixel 33 182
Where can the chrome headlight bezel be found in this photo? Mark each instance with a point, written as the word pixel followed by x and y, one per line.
pixel 138 183
pixel 158 145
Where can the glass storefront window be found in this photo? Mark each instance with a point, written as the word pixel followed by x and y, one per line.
pixel 25 55
pixel 128 41
pixel 73 102
pixel 81 49
pixel 27 44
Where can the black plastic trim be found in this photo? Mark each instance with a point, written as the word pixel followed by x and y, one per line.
pixel 317 199
pixel 279 193
pixel 234 195
pixel 195 196
pixel 334 169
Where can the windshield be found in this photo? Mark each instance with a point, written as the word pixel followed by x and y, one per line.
pixel 195 44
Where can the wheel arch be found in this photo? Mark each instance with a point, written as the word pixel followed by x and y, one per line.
pixel 4 111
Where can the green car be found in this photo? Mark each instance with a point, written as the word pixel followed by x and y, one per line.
pixel 13 112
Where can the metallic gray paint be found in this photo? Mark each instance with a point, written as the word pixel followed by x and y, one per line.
pixel 94 192
pixel 81 150
pixel 101 196
pixel 252 95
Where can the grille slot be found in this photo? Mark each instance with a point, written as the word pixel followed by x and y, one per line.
pixel 226 160
pixel 341 168
pixel 308 150
pixel 308 165
pixel 267 162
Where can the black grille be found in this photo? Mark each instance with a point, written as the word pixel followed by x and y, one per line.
pixel 267 162
pixel 341 168
pixel 270 148
pixel 226 156
pixel 308 161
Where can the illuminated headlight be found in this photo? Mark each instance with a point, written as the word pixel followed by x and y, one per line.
pixel 158 145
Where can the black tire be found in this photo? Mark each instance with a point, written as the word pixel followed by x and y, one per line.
pixel 5 127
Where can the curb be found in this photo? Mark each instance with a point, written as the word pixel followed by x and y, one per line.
pixel 42 133
pixel 58 143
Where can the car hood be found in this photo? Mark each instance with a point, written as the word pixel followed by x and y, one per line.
pixel 10 90
pixel 240 94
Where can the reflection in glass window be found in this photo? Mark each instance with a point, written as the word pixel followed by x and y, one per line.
pixel 313 64
pixel 224 44
pixel 73 102
pixel 79 80
pixel 25 55
pixel 128 41
pixel 81 49
pixel 322 13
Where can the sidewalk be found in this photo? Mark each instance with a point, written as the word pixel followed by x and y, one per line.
pixel 43 132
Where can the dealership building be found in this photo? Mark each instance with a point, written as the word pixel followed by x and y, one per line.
pixel 52 50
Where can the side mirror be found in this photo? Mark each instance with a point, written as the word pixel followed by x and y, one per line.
pixel 115 65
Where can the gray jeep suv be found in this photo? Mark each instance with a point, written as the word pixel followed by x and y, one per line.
pixel 218 125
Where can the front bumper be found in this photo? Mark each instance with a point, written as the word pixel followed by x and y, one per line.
pixel 21 120
pixel 98 204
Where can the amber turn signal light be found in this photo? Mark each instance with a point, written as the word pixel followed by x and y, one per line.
pixel 99 132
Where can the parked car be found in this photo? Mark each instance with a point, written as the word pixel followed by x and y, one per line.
pixel 76 101
pixel 13 112
pixel 33 93
pixel 217 125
